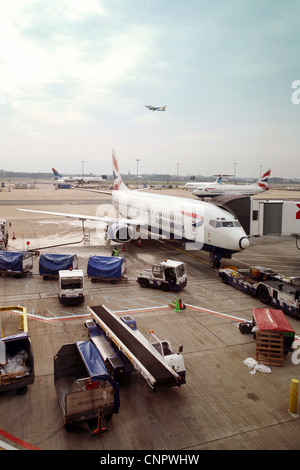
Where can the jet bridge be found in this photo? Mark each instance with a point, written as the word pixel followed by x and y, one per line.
pixel 260 217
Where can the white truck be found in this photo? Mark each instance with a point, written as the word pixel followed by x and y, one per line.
pixel 162 347
pixel 168 275
pixel 71 287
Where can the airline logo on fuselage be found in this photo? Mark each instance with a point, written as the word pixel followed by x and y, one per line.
pixel 194 216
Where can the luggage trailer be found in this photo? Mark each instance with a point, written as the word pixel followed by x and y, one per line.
pixel 144 358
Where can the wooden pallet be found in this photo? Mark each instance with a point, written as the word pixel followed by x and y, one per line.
pixel 9 378
pixel 269 348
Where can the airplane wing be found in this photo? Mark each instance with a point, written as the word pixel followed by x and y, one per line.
pixel 95 190
pixel 108 220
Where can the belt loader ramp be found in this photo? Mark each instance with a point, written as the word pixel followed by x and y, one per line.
pixel 144 357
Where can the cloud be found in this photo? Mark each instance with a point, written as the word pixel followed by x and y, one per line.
pixel 55 76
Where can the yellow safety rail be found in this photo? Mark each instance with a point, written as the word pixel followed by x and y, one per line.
pixel 23 316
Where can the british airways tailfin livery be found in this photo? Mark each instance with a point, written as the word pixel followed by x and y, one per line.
pixel 199 224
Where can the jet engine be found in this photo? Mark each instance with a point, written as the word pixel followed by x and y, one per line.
pixel 120 233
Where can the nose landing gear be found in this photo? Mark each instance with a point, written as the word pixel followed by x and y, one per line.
pixel 215 260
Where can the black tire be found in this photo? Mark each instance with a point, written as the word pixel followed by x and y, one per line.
pixel 22 390
pixel 263 294
pixel 143 282
pixel 164 287
pixel 224 278
pixel 215 264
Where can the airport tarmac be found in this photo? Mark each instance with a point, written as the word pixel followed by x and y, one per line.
pixel 222 406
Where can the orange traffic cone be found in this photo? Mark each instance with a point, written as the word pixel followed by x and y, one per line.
pixel 13 237
pixel 139 241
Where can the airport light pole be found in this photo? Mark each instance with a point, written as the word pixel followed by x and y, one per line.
pixel 137 172
pixel 82 163
pixel 234 171
pixel 177 173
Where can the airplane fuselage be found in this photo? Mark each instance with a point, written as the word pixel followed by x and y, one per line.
pixel 221 189
pixel 209 227
pixel 198 185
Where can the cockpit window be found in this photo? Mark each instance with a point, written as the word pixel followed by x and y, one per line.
pixel 227 223
pixel 224 223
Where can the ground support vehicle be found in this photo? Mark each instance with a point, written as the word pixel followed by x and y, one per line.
pixel 86 392
pixel 50 264
pixel 15 263
pixel 117 365
pixel 269 287
pixel 71 287
pixel 168 275
pixel 3 234
pixel 16 356
pixel 153 359
pixel 106 268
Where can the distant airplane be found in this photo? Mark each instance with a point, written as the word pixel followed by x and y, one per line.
pixel 171 217
pixel 75 179
pixel 155 108
pixel 217 189
pixel 195 185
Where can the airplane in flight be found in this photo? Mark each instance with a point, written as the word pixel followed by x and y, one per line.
pixel 155 108
pixel 75 179
pixel 217 189
pixel 201 225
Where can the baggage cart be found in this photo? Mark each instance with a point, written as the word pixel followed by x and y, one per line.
pixel 16 356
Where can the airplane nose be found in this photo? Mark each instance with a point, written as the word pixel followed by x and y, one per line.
pixel 244 243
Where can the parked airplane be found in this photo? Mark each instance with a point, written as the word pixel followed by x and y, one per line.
pixel 199 224
pixel 216 189
pixel 197 184
pixel 75 179
pixel 155 108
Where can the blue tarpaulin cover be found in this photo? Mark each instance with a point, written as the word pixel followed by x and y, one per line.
pixel 11 261
pixel 107 267
pixel 16 336
pixel 51 263
pixel 95 366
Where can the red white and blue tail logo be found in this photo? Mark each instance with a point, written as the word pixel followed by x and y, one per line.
pixel 118 183
pixel 263 181
pixel 56 174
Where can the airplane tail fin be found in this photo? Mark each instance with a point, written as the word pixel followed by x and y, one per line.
pixel 263 180
pixel 118 182
pixel 164 108
pixel 56 174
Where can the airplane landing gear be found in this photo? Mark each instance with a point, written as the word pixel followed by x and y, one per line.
pixel 215 260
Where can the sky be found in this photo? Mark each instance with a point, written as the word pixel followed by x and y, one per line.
pixel 75 76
